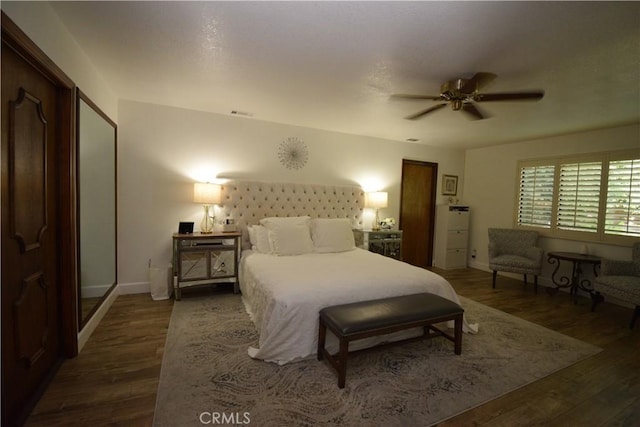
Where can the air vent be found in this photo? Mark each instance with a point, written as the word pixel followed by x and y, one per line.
pixel 241 113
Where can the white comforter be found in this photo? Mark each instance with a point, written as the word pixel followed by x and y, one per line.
pixel 283 294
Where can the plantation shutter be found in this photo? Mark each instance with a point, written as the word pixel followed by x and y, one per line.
pixel 535 197
pixel 579 196
pixel 623 198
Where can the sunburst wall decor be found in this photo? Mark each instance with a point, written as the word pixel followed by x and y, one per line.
pixel 293 153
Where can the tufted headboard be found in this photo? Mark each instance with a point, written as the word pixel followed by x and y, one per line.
pixel 247 202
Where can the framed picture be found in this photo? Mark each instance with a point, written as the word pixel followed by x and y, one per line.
pixel 449 185
pixel 185 228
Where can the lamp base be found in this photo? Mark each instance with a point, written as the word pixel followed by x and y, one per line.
pixel 376 222
pixel 206 225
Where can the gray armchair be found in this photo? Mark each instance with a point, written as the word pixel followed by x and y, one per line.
pixel 515 251
pixel 621 280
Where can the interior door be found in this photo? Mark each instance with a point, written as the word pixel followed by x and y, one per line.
pixel 34 308
pixel 417 211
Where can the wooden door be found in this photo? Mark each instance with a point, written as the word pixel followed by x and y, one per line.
pixel 417 211
pixel 34 310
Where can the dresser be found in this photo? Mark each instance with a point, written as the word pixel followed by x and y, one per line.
pixel 452 237
pixel 200 259
pixel 383 242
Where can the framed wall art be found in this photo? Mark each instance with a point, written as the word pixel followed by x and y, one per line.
pixel 293 153
pixel 449 185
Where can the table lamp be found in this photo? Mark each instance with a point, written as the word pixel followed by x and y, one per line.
pixel 206 194
pixel 376 200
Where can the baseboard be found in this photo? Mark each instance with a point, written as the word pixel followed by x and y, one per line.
pixel 92 323
pixel 120 289
pixel 134 288
pixel 95 291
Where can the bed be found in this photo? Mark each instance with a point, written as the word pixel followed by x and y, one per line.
pixel 299 265
pixel 283 288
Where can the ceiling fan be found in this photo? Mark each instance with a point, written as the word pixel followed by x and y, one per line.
pixel 462 93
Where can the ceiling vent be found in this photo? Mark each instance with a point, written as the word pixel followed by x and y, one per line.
pixel 241 113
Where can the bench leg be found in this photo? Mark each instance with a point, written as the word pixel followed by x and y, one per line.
pixel 458 335
pixel 322 336
pixel 342 362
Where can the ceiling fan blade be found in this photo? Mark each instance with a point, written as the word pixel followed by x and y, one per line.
pixel 406 96
pixel 473 112
pixel 425 112
pixel 513 96
pixel 476 82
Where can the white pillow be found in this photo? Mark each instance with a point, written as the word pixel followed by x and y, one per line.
pixel 252 235
pixel 289 236
pixel 332 235
pixel 291 220
pixel 259 237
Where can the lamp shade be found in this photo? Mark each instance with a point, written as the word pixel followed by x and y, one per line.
pixel 376 199
pixel 206 193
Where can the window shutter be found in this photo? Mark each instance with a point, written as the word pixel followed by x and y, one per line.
pixel 579 196
pixel 535 199
pixel 623 198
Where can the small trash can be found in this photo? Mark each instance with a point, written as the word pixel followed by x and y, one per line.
pixel 160 282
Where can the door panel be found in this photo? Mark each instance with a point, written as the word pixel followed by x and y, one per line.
pixel 27 166
pixel 31 332
pixel 417 211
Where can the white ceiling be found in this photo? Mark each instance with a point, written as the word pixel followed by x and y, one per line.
pixel 333 65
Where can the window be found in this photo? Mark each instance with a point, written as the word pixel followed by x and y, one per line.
pixel 596 197
pixel 623 198
pixel 579 196
pixel 535 201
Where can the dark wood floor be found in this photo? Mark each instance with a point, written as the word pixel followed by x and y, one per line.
pixel 114 380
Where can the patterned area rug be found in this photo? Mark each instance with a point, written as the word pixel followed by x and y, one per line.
pixel 208 378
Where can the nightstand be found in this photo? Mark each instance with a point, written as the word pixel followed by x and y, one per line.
pixel 383 242
pixel 200 259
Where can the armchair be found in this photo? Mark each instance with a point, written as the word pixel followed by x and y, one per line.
pixel 621 280
pixel 515 251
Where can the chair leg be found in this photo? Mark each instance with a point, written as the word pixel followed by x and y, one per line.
pixel 322 336
pixel 535 284
pixel 525 281
pixel 495 273
pixel 596 299
pixel 636 314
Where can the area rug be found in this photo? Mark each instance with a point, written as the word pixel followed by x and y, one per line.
pixel 208 378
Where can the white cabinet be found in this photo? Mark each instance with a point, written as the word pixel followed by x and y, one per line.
pixel 452 237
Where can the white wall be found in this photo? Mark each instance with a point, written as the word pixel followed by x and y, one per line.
pixel 491 179
pixel 44 27
pixel 163 150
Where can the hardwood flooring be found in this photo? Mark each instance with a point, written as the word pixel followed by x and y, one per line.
pixel 114 379
pixel 603 390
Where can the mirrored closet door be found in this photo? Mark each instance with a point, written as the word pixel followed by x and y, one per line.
pixel 96 192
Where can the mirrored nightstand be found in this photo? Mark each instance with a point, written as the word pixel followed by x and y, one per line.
pixel 383 242
pixel 200 259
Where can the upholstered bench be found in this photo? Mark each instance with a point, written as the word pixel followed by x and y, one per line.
pixel 350 322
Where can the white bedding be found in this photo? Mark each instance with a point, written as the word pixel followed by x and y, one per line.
pixel 283 294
